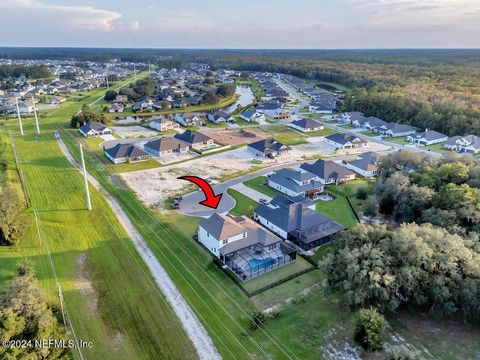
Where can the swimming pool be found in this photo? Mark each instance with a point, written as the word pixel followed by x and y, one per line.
pixel 255 265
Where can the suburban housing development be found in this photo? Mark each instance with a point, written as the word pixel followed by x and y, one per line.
pixel 239 204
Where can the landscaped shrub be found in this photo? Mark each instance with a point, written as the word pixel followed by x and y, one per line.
pixel 370 329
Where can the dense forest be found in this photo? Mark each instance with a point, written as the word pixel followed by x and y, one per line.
pixel 31 72
pixel 428 260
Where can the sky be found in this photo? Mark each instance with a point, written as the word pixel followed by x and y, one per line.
pixel 286 24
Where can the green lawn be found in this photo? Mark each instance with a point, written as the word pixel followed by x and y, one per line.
pixel 258 184
pixel 287 290
pixel 348 127
pixel 300 264
pixel 398 140
pixel 244 205
pixel 322 252
pixel 435 148
pixel 285 134
pixel 333 85
pixel 368 133
pixel 324 132
pixel 217 301
pixel 338 210
pixel 109 293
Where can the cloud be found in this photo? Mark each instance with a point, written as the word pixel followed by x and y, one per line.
pixel 80 17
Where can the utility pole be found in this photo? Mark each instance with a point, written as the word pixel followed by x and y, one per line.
pixel 36 117
pixel 19 117
pixel 87 192
pixel 106 76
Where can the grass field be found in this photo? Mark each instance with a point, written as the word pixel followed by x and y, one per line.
pixel 244 205
pixel 258 184
pixel 324 132
pixel 92 257
pixel 300 264
pixel 368 133
pixel 398 140
pixel 348 127
pixel 285 134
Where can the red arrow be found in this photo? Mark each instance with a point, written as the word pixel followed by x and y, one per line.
pixel 211 200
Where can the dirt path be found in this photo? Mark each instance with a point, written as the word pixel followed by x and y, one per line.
pixel 194 329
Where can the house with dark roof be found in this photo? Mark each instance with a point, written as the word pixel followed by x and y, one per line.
pixel 372 123
pixel 269 148
pixel 189 120
pixel 469 144
pixel 346 141
pixel 328 172
pixel 252 115
pixel 395 130
pixel 296 222
pixel 122 153
pixel 350 117
pixel 165 146
pixel 307 125
pixel 366 165
pixel 427 138
pixel 323 104
pixel 163 124
pixel 295 183
pixel 273 110
pixel 94 129
pixel 218 117
pixel 246 248
pixel 194 139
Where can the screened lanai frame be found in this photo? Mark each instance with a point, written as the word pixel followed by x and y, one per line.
pixel 282 254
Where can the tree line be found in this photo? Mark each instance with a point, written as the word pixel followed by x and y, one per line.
pixel 29 71
pixel 428 260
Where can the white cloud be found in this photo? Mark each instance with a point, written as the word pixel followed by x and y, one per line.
pixel 82 17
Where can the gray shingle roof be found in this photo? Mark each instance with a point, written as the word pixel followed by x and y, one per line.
pixel 295 216
pixel 367 162
pixel 164 144
pixel 269 145
pixel 125 150
pixel 341 138
pixel 286 179
pixel 192 137
pixel 327 169
pixel 307 123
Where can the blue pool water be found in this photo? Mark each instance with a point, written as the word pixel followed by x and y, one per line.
pixel 255 265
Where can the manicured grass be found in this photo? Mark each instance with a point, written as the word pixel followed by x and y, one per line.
pixel 322 252
pixel 244 205
pixel 241 122
pixel 217 301
pixel 399 140
pixel 216 126
pixel 368 133
pixel 286 135
pixel 287 290
pixel 300 264
pixel 348 126
pixel 258 184
pixel 435 148
pixel 338 210
pixel 109 293
pixel 319 133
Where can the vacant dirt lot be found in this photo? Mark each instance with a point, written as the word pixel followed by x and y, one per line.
pixel 234 137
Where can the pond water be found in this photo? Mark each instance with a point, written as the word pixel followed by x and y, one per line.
pixel 246 98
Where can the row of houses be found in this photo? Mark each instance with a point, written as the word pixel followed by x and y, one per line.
pixel 462 144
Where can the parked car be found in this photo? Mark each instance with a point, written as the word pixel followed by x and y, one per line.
pixel 176 204
pixel 178 198
pixel 263 201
